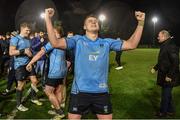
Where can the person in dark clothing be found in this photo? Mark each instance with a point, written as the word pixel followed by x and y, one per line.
pixel 118 59
pixel 168 72
pixel 36 44
pixel 10 68
pixel 11 77
pixel 5 51
pixel 1 52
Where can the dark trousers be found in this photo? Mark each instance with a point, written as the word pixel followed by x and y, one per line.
pixel 118 57
pixel 166 100
pixel 11 79
pixel 4 59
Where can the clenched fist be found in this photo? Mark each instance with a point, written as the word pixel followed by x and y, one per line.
pixel 140 16
pixel 49 12
pixel 29 67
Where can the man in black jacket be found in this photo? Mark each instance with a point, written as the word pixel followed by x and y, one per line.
pixel 168 72
pixel 5 53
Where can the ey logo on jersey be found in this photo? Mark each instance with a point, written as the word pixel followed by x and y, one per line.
pixel 93 56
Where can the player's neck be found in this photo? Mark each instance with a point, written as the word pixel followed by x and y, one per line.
pixel 21 35
pixel 92 36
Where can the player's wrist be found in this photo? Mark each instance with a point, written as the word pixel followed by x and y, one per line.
pixel 22 52
pixel 47 17
pixel 30 64
pixel 141 23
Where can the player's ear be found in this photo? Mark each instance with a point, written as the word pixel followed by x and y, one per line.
pixel 84 27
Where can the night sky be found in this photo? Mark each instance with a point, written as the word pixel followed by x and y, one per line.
pixel 119 14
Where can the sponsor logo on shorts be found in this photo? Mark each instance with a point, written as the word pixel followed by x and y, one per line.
pixel 106 109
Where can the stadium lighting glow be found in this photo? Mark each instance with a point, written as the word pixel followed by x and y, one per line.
pixel 102 17
pixel 42 15
pixel 154 20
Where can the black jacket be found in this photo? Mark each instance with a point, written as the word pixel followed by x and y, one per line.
pixel 5 47
pixel 168 64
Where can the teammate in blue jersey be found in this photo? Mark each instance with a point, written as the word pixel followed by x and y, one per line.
pixel 90 89
pixel 56 74
pixel 20 50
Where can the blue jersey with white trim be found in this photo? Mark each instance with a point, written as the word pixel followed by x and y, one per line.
pixel 20 43
pixel 91 62
pixel 57 66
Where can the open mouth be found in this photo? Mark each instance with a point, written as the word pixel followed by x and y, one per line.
pixel 93 26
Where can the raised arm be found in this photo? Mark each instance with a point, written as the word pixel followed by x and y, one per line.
pixel 133 41
pixel 51 35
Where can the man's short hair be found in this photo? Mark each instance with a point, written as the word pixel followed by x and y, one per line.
pixel 91 15
pixel 24 25
pixel 59 29
pixel 58 26
pixel 166 33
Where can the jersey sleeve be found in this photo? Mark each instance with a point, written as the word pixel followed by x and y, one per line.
pixel 48 47
pixel 14 41
pixel 71 42
pixel 115 44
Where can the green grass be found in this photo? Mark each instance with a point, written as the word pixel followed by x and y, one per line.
pixel 134 90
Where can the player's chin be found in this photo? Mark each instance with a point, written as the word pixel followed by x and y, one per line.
pixel 95 29
pixel 26 36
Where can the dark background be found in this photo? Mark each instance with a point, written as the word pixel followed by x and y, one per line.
pixel 119 13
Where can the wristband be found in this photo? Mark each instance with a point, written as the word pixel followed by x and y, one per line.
pixel 140 23
pixel 22 52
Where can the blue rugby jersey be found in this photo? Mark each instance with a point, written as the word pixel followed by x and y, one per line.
pixel 91 62
pixel 57 66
